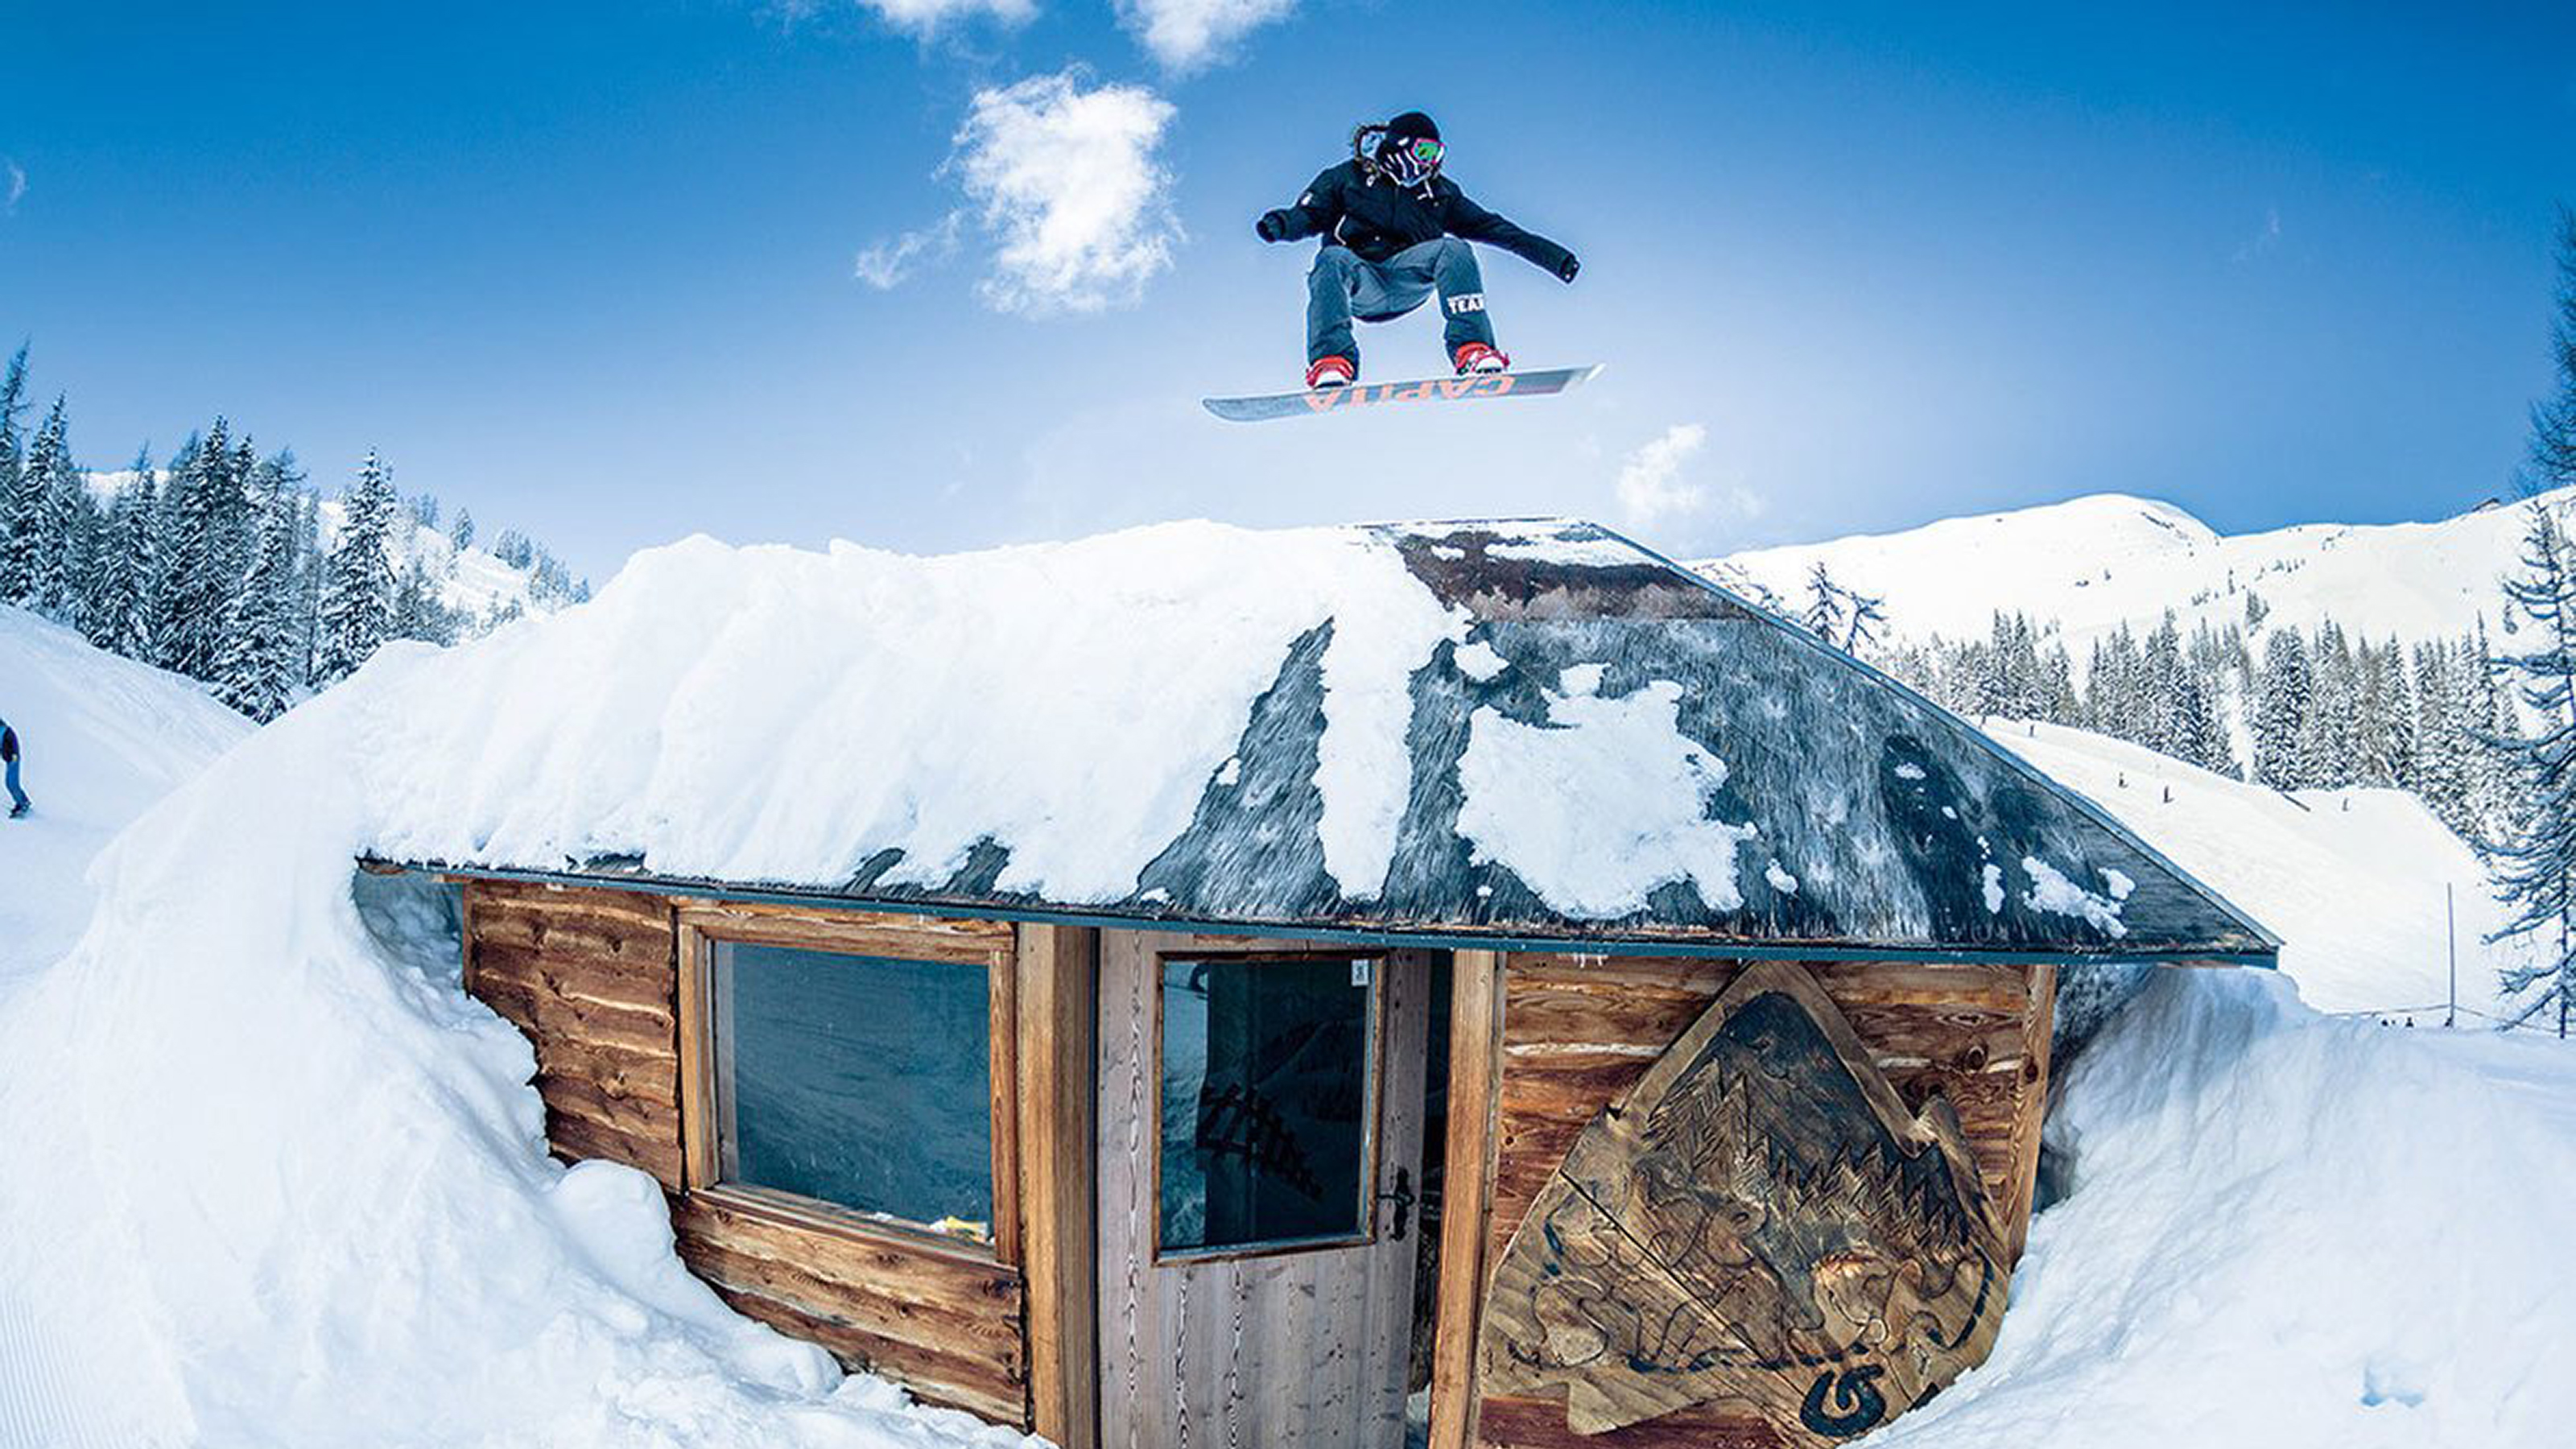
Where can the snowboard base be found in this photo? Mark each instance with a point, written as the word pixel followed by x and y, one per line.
pixel 1373 394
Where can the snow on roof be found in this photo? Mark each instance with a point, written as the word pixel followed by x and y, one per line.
pixel 1533 730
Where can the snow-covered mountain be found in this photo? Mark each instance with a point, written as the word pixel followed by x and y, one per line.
pixel 2092 564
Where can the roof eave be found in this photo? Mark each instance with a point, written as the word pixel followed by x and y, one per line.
pixel 1677 942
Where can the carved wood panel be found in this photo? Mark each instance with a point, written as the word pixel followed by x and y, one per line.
pixel 1759 1224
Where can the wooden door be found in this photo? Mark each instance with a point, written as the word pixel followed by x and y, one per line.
pixel 1258 1222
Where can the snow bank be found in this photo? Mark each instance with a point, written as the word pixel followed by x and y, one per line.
pixel 104 738
pixel 2288 1230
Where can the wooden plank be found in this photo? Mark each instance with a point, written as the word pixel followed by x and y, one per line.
pixel 699 1149
pixel 1002 1073
pixel 1475 1072
pixel 1760 1222
pixel 908 1267
pixel 916 938
pixel 1058 1012
pixel 2021 1187
pixel 989 1391
pixel 1514 1421
pixel 974 1332
pixel 539 1009
pixel 583 975
pixel 574 1138
pixel 577 1095
pixel 613 1071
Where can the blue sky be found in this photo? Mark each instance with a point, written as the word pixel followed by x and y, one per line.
pixel 592 269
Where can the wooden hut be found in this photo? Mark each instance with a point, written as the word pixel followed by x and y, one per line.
pixel 1681 1085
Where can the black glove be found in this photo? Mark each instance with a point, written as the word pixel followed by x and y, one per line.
pixel 1566 269
pixel 1272 227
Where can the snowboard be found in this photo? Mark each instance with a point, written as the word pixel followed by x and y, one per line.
pixel 1371 394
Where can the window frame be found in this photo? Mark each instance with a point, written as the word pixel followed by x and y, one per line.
pixel 991 945
pixel 1372 1131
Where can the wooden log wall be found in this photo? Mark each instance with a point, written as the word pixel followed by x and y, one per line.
pixel 1579 1031
pixel 592 977
pixel 588 975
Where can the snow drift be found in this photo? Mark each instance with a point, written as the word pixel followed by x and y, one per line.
pixel 276 1179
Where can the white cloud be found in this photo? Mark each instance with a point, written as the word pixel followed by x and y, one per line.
pixel 889 264
pixel 925 16
pixel 1187 34
pixel 1065 184
pixel 1651 488
pixel 17 186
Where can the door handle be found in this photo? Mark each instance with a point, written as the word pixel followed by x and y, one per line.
pixel 1402 1197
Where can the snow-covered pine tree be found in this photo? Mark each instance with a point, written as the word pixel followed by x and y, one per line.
pixel 19 515
pixel 460 534
pixel 2329 742
pixel 23 516
pixel 418 612
pixel 2532 862
pixel 2284 696
pixel 1864 626
pixel 64 512
pixel 2118 685
pixel 1823 616
pixel 2395 734
pixel 201 563
pixel 312 568
pixel 2160 724
pixel 2057 686
pixel 2553 419
pixel 2499 791
pixel 259 668
pixel 2204 727
pixel 358 597
pixel 117 590
pixel 2442 743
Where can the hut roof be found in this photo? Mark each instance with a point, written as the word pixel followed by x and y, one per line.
pixel 1535 731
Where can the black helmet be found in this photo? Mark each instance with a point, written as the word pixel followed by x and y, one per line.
pixel 1409 151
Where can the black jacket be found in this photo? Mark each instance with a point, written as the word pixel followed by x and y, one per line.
pixel 1377 218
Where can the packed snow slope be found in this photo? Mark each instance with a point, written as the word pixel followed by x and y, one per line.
pixel 103 738
pixel 293 1189
pixel 2095 563
pixel 2353 880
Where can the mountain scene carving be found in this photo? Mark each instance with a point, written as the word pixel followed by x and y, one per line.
pixel 1759 1225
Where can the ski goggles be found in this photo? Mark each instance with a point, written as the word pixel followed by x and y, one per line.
pixel 1410 161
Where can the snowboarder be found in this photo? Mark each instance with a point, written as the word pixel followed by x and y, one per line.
pixel 9 755
pixel 1395 231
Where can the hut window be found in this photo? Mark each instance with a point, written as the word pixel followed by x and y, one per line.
pixel 861 1081
pixel 1268 1102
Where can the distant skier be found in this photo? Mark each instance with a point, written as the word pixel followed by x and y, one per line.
pixel 1395 231
pixel 9 754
